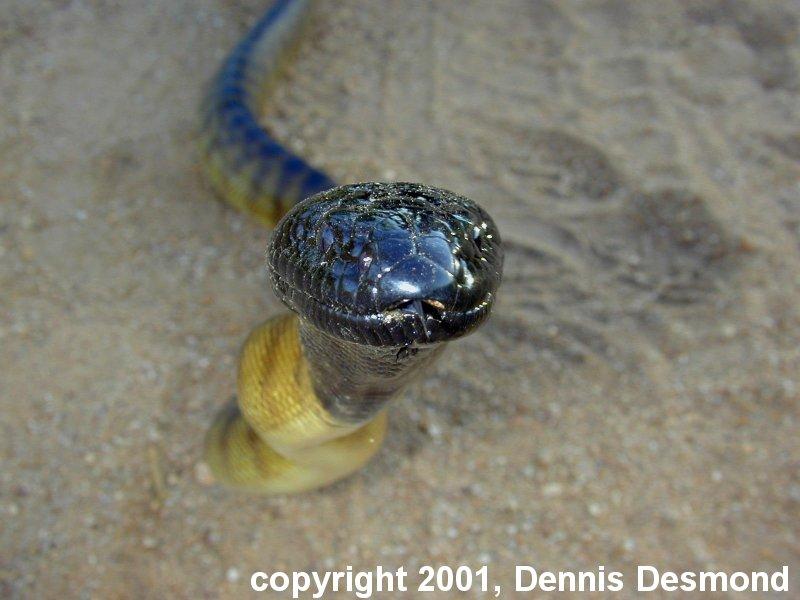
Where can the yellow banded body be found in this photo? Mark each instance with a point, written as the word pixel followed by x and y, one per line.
pixel 280 438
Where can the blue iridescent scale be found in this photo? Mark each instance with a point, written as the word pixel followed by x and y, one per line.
pixel 249 167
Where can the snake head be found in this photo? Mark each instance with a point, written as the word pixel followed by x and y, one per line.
pixel 388 264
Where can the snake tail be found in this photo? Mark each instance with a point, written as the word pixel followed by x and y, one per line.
pixel 379 278
pixel 246 166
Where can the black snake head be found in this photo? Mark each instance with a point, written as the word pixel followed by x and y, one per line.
pixel 388 264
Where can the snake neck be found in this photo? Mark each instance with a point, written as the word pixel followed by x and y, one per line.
pixel 353 381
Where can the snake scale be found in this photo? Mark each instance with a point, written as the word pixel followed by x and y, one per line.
pixel 378 278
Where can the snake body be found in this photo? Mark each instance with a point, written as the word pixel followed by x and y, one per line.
pixel 378 278
pixel 246 165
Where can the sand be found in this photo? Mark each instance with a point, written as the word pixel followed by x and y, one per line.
pixel 633 400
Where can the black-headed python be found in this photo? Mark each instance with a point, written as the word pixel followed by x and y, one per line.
pixel 379 276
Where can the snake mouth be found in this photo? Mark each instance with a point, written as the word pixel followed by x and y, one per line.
pixel 423 309
pixel 388 264
pixel 428 321
pixel 406 323
pixel 429 315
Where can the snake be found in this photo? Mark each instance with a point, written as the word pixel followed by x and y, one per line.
pixel 378 278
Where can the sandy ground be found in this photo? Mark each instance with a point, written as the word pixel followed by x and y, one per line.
pixel 634 399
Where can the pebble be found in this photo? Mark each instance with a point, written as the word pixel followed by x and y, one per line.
pixel 202 474
pixel 552 490
pixel 595 509
pixel 149 542
pixel 434 430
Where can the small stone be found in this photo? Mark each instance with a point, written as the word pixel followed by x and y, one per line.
pixel 212 537
pixel 527 526
pixel 203 474
pixel 232 575
pixel 552 490
pixel 594 509
pixel 149 542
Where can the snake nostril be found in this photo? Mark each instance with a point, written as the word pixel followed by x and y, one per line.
pixel 432 308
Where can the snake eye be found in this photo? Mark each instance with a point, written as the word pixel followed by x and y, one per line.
pixel 462 273
pixel 477 237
